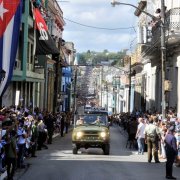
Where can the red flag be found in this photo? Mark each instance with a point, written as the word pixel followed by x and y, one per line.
pixel 44 43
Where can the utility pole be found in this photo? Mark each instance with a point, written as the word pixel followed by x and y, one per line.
pixel 107 94
pixel 163 58
pixel 75 93
pixel 101 83
pixel 129 103
pixel 56 82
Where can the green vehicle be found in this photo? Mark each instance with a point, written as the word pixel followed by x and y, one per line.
pixel 91 131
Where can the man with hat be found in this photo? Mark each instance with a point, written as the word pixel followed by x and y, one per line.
pixel 171 151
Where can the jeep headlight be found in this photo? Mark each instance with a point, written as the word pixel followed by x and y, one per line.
pixel 103 134
pixel 79 134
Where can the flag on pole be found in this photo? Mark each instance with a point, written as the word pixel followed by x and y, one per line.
pixel 44 42
pixel 10 20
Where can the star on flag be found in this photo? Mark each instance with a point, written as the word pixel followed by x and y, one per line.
pixel 7 11
pixel 2 10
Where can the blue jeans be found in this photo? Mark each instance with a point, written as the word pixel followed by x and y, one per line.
pixel 140 142
pixel 21 153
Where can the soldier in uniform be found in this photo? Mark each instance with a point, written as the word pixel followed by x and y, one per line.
pixel 171 152
pixel 152 136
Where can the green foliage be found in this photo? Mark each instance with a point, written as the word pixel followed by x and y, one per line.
pixel 96 57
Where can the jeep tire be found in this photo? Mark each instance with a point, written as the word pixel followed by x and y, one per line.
pixel 75 149
pixel 106 149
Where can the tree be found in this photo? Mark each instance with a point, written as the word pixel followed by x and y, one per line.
pixel 98 57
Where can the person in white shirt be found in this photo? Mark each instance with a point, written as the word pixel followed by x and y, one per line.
pixel 21 142
pixel 140 136
pixel 80 121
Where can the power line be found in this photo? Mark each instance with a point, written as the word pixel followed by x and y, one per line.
pixel 95 27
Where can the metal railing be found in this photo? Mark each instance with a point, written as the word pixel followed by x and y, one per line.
pixel 172 22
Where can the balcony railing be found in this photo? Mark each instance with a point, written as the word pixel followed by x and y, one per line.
pixel 172 33
pixel 172 24
pixel 173 19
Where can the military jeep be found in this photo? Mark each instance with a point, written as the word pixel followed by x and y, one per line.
pixel 91 131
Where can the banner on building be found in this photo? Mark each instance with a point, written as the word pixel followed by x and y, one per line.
pixel 10 21
pixel 44 42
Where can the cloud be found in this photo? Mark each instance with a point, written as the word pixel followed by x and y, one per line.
pixel 98 13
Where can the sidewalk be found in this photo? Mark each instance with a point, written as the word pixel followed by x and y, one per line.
pixel 20 172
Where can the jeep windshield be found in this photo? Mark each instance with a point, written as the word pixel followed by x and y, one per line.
pixel 91 119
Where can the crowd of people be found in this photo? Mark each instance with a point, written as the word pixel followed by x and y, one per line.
pixel 149 132
pixel 23 132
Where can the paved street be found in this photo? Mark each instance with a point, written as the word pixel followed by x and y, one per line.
pixel 58 163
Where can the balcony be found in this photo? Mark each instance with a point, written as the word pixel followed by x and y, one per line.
pixel 172 28
pixel 172 33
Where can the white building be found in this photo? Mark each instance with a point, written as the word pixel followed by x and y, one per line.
pixel 149 39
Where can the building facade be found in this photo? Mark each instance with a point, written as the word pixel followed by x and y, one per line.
pixel 149 38
pixel 35 77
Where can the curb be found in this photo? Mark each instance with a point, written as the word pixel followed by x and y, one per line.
pixel 4 175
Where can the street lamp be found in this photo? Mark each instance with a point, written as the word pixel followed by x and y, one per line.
pixel 163 47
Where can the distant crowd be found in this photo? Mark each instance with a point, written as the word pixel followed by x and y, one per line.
pixel 24 131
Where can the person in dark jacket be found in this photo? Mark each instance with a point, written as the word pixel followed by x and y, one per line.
pixel 49 122
pixel 34 137
pixel 171 152
pixel 11 155
pixel 62 124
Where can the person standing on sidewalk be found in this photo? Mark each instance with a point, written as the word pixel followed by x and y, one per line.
pixel 163 131
pixel 34 137
pixel 21 142
pixel 49 122
pixel 132 129
pixel 171 151
pixel 11 154
pixel 67 121
pixel 62 124
pixel 140 136
pixel 152 136
pixel 41 134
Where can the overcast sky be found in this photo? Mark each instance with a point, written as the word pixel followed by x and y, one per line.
pixel 99 13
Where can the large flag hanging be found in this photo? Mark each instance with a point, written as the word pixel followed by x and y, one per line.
pixel 10 20
pixel 44 43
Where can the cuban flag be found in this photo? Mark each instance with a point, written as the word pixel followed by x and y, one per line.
pixel 10 20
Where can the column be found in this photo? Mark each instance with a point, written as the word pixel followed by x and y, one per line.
pixel 34 95
pixel 42 89
pixel 153 85
pixel 29 93
pixel 38 93
pixel 178 85
pixel 25 100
